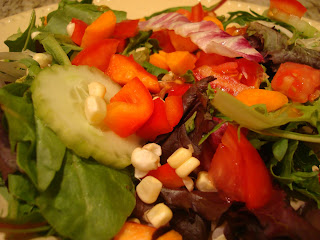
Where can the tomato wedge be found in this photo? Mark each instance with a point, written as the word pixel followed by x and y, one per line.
pixel 239 172
pixel 292 7
pixel 300 83
pixel 197 13
pixel 129 109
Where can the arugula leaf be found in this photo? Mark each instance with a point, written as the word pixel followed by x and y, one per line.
pixel 22 41
pixel 189 77
pixel 189 124
pixel 99 199
pixel 136 42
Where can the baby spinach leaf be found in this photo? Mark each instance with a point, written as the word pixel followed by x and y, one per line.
pixel 50 154
pixel 99 199
pixel 154 70
pixel 22 188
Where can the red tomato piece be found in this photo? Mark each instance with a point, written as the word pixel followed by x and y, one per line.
pixel 174 109
pixel 129 109
pixel 197 13
pixel 79 29
pixel 122 69
pixel 239 172
pixel 252 72
pixel 125 29
pixel 210 59
pixel 289 6
pixel 298 82
pixel 157 124
pixel 164 40
pixel 167 175
pixel 98 54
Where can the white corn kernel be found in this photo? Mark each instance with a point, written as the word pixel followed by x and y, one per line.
pixel 95 109
pixel 149 189
pixel 44 59
pixel 315 168
pixel 153 147
pixel 188 182
pixel 139 174
pixel 296 204
pixel 179 157
pixel 97 89
pixel 4 207
pixel 135 220
pixel 70 28
pixel 144 160
pixel 204 184
pixel 187 167
pixel 159 215
pixel 34 34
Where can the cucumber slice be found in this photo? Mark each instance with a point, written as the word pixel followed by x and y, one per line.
pixel 58 95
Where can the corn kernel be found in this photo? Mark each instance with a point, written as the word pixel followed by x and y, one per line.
pixel 179 157
pixel 135 220
pixel 204 184
pixel 95 109
pixel 159 215
pixel 153 147
pixel 139 174
pixel 187 167
pixel 144 160
pixel 188 182
pixel 70 28
pixel 149 189
pixel 97 89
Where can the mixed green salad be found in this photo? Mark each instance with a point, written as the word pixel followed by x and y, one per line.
pixel 180 125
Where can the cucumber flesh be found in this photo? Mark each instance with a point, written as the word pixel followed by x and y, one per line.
pixel 58 95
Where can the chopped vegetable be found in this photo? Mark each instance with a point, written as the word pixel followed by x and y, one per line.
pixel 79 30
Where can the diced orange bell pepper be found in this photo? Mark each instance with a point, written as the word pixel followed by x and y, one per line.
pixel 98 54
pixel 157 124
pixel 122 69
pixel 215 21
pixel 181 43
pixel 129 109
pixel 184 12
pixel 180 62
pixel 171 235
pixel 78 32
pixel 135 231
pixel 101 28
pixel 159 60
pixel 174 109
pixel 126 29
pixel 167 175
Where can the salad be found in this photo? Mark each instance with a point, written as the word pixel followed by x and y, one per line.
pixel 183 124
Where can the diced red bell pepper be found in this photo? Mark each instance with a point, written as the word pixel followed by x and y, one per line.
pixel 129 109
pixel 79 29
pixel 157 124
pixel 174 109
pixel 126 29
pixel 167 175
pixel 197 13
pixel 164 40
pixel 178 89
pixel 122 69
pixel 98 54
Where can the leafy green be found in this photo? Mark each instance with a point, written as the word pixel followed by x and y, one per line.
pixel 243 17
pixel 138 41
pixel 189 77
pixel 22 188
pixel 266 123
pixel 22 41
pixel 50 154
pixel 59 19
pixel 154 70
pixel 294 169
pixel 99 199
pixel 189 124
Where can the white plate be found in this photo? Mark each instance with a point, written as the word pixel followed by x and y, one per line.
pixel 134 8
